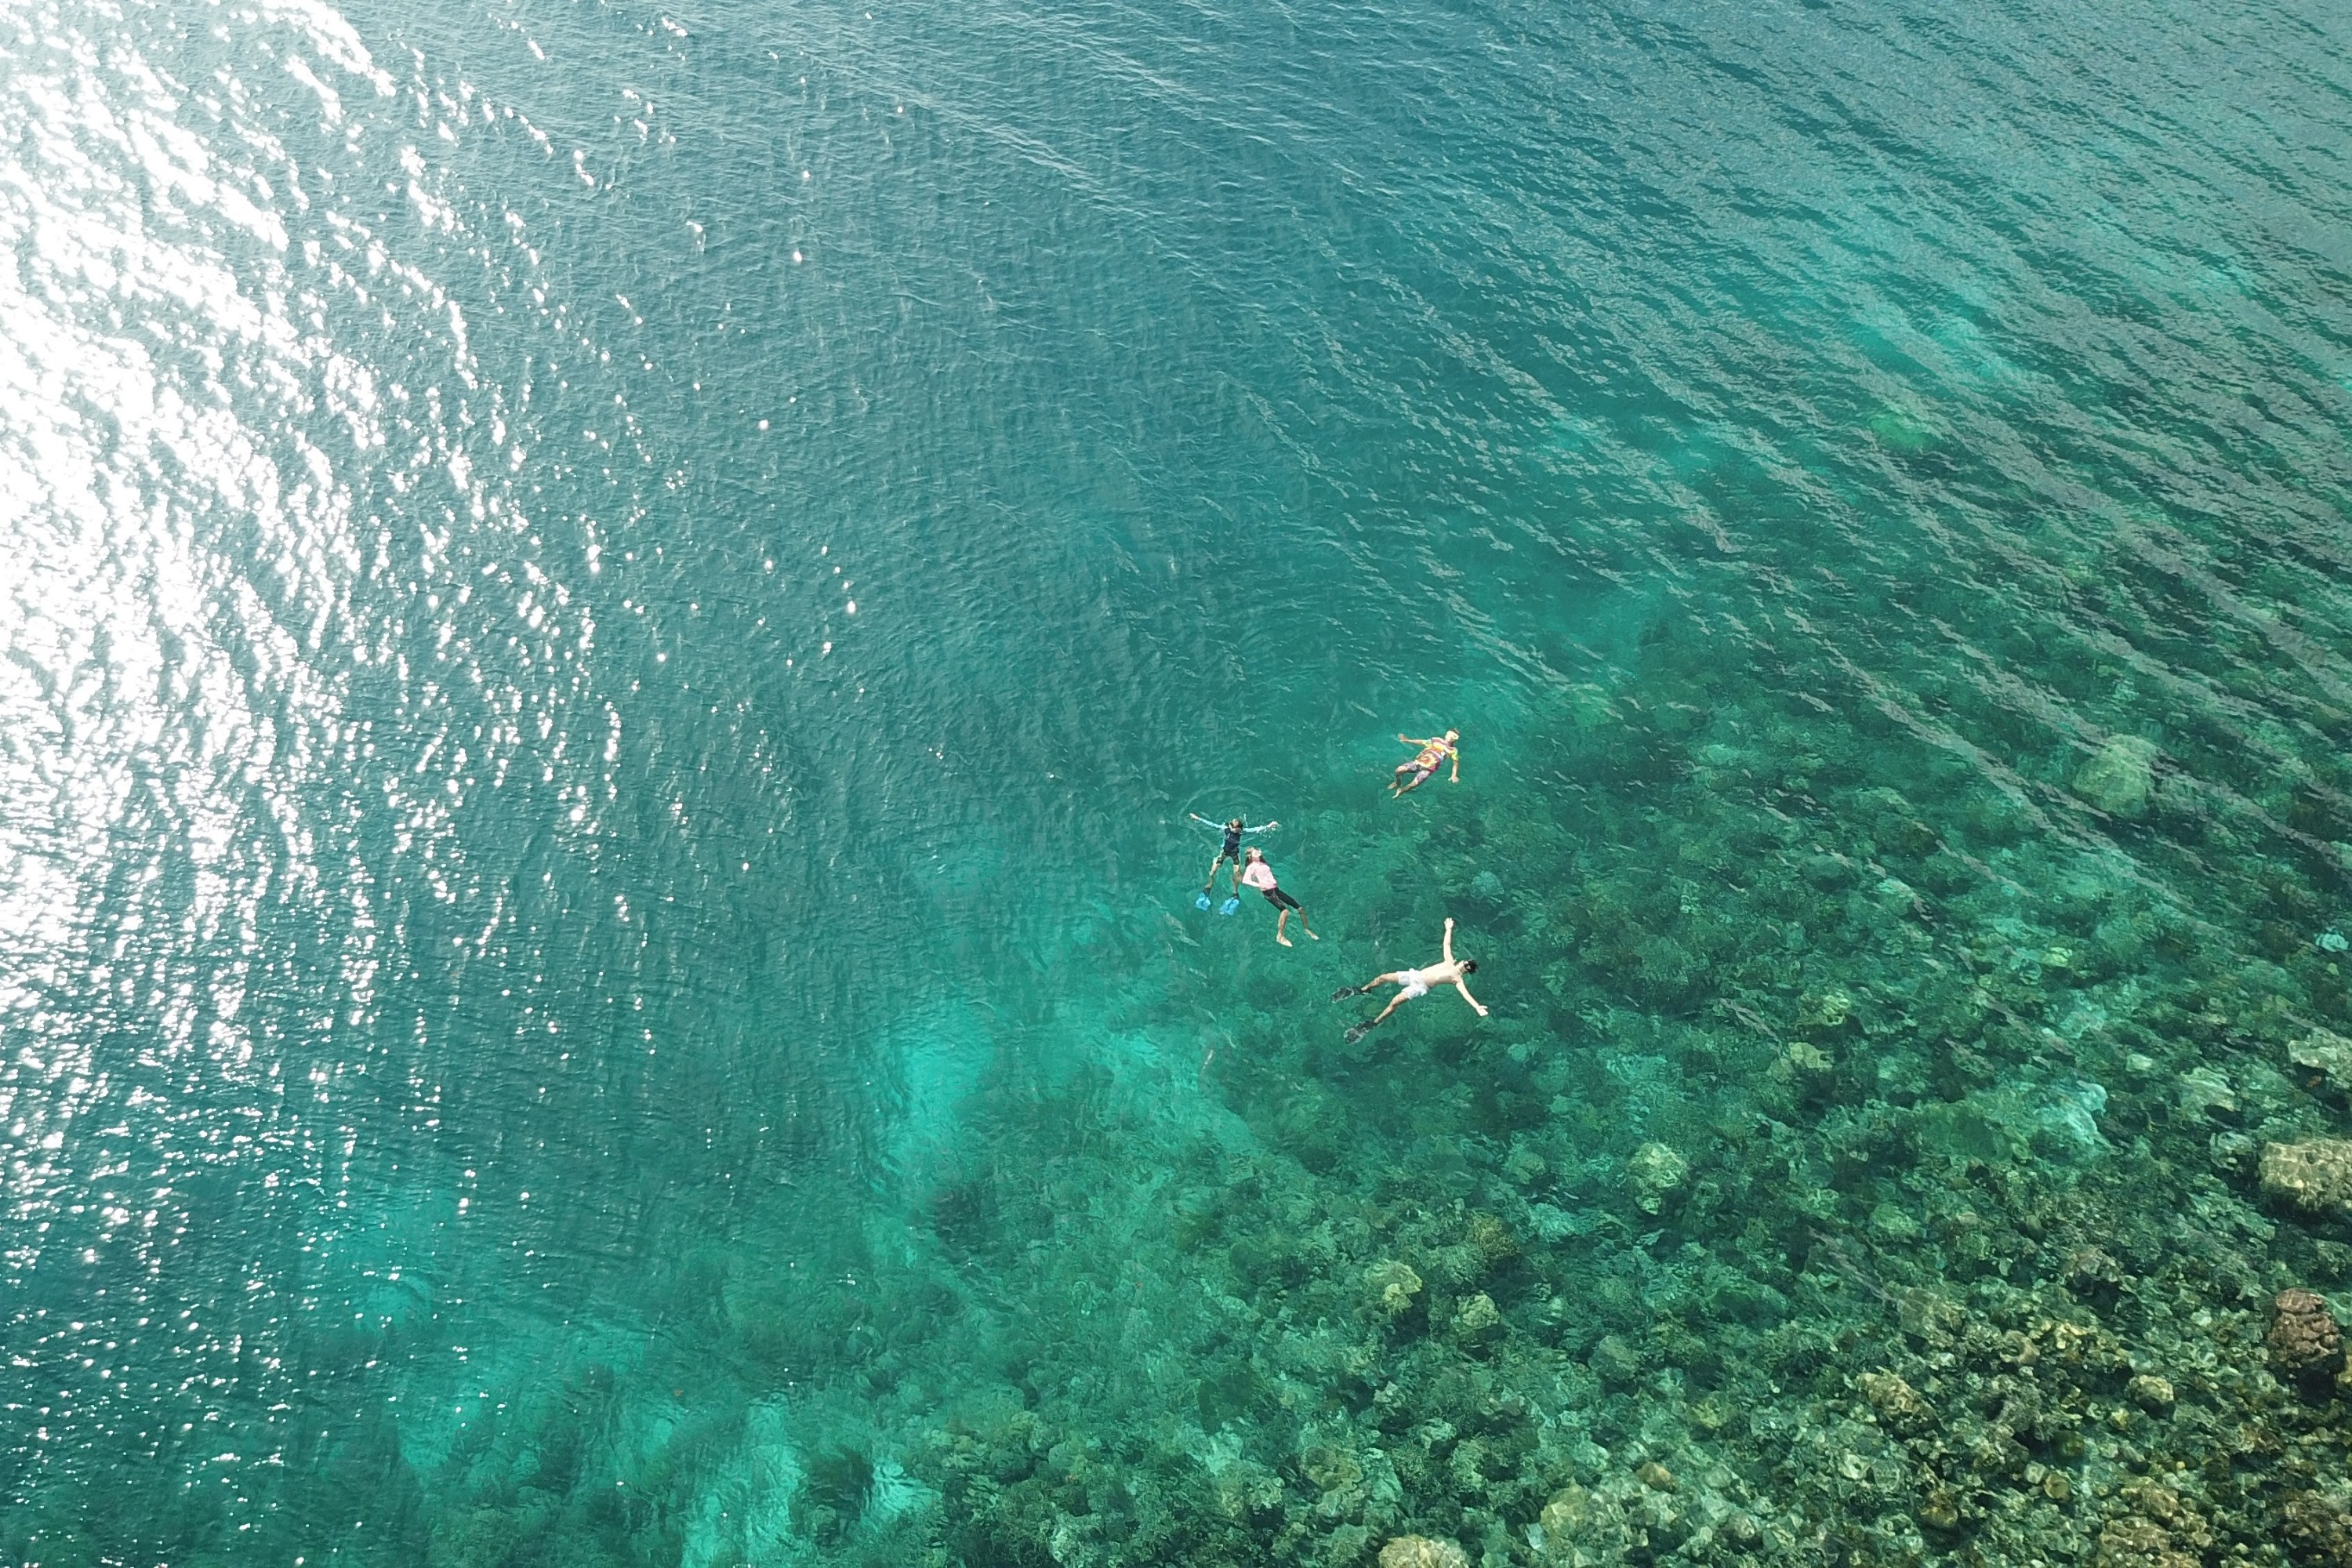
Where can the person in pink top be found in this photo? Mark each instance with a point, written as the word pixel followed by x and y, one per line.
pixel 1256 873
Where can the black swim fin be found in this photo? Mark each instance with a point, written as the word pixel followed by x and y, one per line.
pixel 1345 992
pixel 1359 1031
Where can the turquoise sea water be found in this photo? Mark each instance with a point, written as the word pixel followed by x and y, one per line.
pixel 614 615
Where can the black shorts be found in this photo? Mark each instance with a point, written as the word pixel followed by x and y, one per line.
pixel 1280 900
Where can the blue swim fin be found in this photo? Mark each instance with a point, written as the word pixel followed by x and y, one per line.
pixel 1229 906
pixel 1200 901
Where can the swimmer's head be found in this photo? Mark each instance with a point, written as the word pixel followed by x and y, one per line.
pixel 1469 966
pixel 1453 734
pixel 1236 822
pixel 1255 853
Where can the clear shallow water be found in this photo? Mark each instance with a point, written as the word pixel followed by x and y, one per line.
pixel 614 615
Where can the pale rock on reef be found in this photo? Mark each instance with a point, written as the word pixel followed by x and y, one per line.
pixel 2120 777
pixel 1478 1320
pixel 2204 1092
pixel 1653 1172
pixel 1524 1167
pixel 2312 1178
pixel 2322 1057
pixel 1899 1406
pixel 1394 1286
pixel 1421 1551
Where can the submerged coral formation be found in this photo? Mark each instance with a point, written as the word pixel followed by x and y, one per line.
pixel 2120 777
pixel 1860 1174
pixel 2305 1345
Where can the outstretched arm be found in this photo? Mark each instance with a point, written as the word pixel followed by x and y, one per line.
pixel 1474 1001
pixel 1457 765
pixel 1449 938
pixel 1268 828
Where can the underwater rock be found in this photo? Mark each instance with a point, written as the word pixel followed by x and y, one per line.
pixel 2066 1122
pixel 1331 1469
pixel 2312 1178
pixel 2231 1154
pixel 1524 1167
pixel 1655 1476
pixel 1653 1172
pixel 1940 1509
pixel 1243 1490
pixel 1394 1286
pixel 836 1486
pixel 1584 1529
pixel 1901 1408
pixel 1421 1551
pixel 2317 1530
pixel 2203 1091
pixel 1566 1515
pixel 2324 1058
pixel 2094 1275
pixel 1900 430
pixel 2120 777
pixel 2306 1347
pixel 1803 1059
pixel 2136 1541
pixel 1492 1240
pixel 1930 1316
pixel 1828 1011
pixel 1477 1319
pixel 2151 1392
pixel 1614 1362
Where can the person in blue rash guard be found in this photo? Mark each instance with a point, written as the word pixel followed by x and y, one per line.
pixel 1231 850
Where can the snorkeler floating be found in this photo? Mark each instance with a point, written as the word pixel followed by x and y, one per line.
pixel 1412 982
pixel 1234 833
pixel 1250 868
pixel 1256 873
pixel 1433 753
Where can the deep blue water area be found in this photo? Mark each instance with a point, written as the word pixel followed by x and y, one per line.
pixel 615 616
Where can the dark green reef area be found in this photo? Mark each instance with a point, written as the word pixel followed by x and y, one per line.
pixel 1876 1165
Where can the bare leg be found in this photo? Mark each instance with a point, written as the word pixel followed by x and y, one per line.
pixel 1304 927
pixel 1358 1031
pixel 1215 865
pixel 1281 920
pixel 1345 992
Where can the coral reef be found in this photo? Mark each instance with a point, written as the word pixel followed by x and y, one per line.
pixel 2120 777
pixel 2305 1345
pixel 1862 1168
pixel 1421 1551
pixel 1655 1174
pixel 2312 1177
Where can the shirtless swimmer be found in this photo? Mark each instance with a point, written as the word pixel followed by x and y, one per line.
pixel 1412 982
